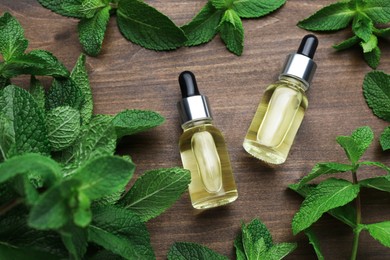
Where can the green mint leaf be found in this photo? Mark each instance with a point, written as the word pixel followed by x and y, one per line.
pixel 80 77
pixel 26 124
pixel 380 231
pixel 155 191
pixel 8 251
pixel 377 10
pixel 330 18
pixel 279 251
pixel 347 43
pixel 121 232
pixel 64 92
pixel 240 251
pixel 70 8
pixel 103 176
pixel 328 195
pixel 325 168
pixel 373 57
pixel 23 185
pixel 356 144
pixel 253 250
pixel 129 122
pixel 186 250
pixel 257 230
pixel 381 183
pixel 382 32
pixel 36 62
pixel 63 126
pixel 377 93
pixel 256 8
pixel 6 136
pixel 82 215
pixel 231 32
pixel 313 240
pixel 220 4
pixel 75 240
pixel 385 139
pixel 376 164
pixel 38 92
pixel 12 40
pixel 362 26
pixel 370 45
pixel 145 26
pixel 90 7
pixel 92 30
pixel 203 26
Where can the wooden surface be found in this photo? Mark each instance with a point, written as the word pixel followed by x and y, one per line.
pixel 125 75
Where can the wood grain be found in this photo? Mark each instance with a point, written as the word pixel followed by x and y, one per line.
pixel 125 75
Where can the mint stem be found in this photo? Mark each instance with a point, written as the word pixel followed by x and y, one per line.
pixel 358 219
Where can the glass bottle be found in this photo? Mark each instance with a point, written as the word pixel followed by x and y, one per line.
pixel 203 150
pixel 282 107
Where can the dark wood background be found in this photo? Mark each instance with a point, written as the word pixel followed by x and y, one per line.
pixel 125 75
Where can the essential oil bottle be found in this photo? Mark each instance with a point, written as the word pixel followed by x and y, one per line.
pixel 203 150
pixel 281 110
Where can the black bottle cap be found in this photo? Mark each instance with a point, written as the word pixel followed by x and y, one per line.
pixel 188 84
pixel 308 46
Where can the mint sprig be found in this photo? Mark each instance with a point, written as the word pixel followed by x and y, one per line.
pixel 363 15
pixel 337 196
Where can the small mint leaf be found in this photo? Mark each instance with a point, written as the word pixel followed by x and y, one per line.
pixel 6 137
pixel 380 231
pixel 347 43
pixel 362 26
pixel 373 57
pixel 369 45
pixel 382 32
pixel 220 4
pixel 325 168
pixel 12 40
pixel 185 250
pixel 92 30
pixel 238 245
pixel 279 251
pixel 377 10
pixel 385 139
pixel 257 230
pixel 330 18
pixel 328 195
pixel 377 93
pixel 70 8
pixel 203 26
pixel 381 183
pixel 145 26
pixel 376 164
pixel 75 240
pixel 256 8
pixel 231 32
pixel 64 92
pixel 313 240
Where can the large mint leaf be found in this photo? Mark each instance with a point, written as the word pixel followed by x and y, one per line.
pixel 26 128
pixel 256 8
pixel 186 250
pixel 377 93
pixel 231 32
pixel 144 25
pixel 313 240
pixel 38 92
pixel 385 139
pixel 155 191
pixel 203 27
pixel 63 125
pixel 12 40
pixel 129 122
pixel 64 92
pixel 69 8
pixel 381 183
pixel 104 176
pixel 80 77
pixel 377 10
pixel 380 231
pixel 92 30
pixel 330 18
pixel 325 168
pixel 328 195
pixel 121 232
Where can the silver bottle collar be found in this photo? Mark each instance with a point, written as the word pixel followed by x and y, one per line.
pixel 194 108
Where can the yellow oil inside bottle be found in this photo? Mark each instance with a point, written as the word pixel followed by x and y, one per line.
pixel 276 122
pixel 203 151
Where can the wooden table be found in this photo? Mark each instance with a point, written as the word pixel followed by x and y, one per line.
pixel 125 75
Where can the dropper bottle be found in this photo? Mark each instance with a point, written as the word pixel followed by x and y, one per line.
pixel 282 108
pixel 203 150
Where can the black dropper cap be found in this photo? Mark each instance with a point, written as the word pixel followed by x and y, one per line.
pixel 308 46
pixel 188 84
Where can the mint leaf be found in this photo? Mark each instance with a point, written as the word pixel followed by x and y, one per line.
pixel 26 127
pixel 129 122
pixel 70 8
pixel 185 250
pixel 313 240
pixel 121 232
pixel 325 168
pixel 279 251
pixel 380 231
pixel 12 40
pixel 80 77
pixel 385 32
pixel 220 4
pixel 381 183
pixel 82 214
pixel 38 92
pixel 255 8
pixel 347 43
pixel 6 136
pixel 92 30
pixel 90 7
pixel 64 92
pixel 75 240
pixel 376 164
pixel 203 27
pixel 377 93
pixel 373 57
pixel 257 230
pixel 145 26
pixel 155 191
pixel 362 26
pixel 103 176
pixel 377 10
pixel 240 251
pixel 328 195
pixel 63 126
pixel 370 45
pixel 232 32
pixel 330 18
pixel 385 139
pixel 12 252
